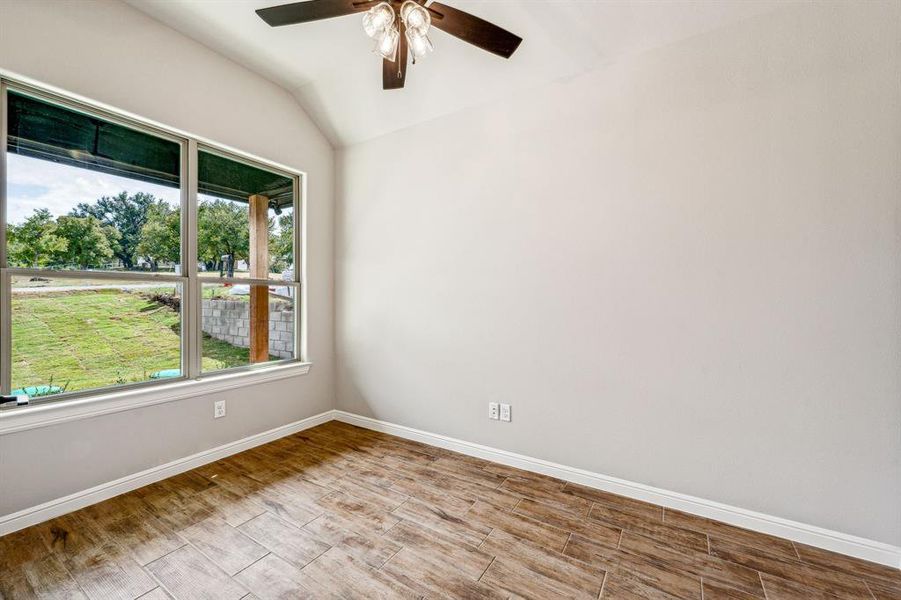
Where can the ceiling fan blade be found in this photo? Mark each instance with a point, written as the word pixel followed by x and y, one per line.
pixel 394 74
pixel 312 10
pixel 474 30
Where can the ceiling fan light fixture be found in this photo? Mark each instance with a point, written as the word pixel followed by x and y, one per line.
pixel 415 17
pixel 419 43
pixel 385 21
pixel 378 19
pixel 386 43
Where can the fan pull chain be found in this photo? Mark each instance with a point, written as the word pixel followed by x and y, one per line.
pixel 400 42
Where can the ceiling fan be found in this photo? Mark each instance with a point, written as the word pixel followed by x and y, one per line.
pixel 400 28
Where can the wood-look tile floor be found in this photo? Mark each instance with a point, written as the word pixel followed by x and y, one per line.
pixel 342 512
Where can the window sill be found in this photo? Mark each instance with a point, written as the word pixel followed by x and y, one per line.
pixel 54 413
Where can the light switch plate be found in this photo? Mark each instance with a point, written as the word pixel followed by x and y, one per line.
pixel 505 412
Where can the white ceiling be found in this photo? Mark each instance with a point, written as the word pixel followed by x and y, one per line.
pixel 328 66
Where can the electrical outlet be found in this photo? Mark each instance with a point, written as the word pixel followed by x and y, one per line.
pixel 505 412
pixel 219 409
pixel 493 410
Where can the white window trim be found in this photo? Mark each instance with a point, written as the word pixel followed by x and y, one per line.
pixel 90 403
pixel 109 401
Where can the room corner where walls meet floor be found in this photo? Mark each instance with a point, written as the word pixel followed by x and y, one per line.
pixel 841 543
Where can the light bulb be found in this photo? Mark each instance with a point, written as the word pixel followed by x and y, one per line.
pixel 420 44
pixel 415 17
pixel 386 44
pixel 377 19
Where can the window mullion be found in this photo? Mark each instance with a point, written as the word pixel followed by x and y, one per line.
pixel 193 336
pixel 92 274
pixel 248 281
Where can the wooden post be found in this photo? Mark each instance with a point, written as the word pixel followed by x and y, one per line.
pixel 259 269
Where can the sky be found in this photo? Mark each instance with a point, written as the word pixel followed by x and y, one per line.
pixel 34 183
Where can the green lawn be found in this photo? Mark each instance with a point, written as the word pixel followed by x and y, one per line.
pixel 221 292
pixel 98 338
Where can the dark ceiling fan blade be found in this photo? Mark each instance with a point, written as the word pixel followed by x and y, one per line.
pixel 394 74
pixel 312 10
pixel 474 30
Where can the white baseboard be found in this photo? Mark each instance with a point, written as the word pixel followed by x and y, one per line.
pixel 849 545
pixel 835 541
pixel 60 506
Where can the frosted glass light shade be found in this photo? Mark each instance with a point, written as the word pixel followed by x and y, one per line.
pixel 377 19
pixel 386 44
pixel 415 17
pixel 419 43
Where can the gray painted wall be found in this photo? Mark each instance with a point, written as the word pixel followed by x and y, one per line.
pixel 109 52
pixel 682 269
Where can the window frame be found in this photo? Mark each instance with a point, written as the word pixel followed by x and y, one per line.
pixel 191 283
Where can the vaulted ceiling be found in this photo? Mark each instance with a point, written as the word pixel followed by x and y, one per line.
pixel 329 67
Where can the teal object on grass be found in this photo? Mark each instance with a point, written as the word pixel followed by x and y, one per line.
pixel 35 391
pixel 166 374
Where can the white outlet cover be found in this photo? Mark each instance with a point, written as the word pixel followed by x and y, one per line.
pixel 493 410
pixel 219 409
pixel 505 412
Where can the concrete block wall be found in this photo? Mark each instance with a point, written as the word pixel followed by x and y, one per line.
pixel 229 321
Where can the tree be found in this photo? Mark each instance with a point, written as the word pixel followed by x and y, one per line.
pixel 160 239
pixel 127 214
pixel 222 230
pixel 35 242
pixel 88 244
pixel 281 243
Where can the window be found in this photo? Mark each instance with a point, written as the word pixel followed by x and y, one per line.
pixel 225 190
pixel 130 255
pixel 71 335
pixel 245 251
pixel 244 324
